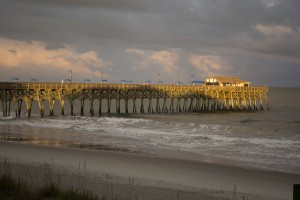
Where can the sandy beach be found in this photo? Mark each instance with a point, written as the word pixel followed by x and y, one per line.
pixel 148 177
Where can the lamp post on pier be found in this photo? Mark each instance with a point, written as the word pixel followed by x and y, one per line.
pixel 70 73
pixel 86 81
pixel 102 77
pixel 15 79
pixel 177 79
pixel 192 80
pixel 158 78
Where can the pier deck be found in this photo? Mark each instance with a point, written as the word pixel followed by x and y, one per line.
pixel 152 98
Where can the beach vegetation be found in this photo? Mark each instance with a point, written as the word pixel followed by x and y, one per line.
pixel 11 188
pixel 29 188
pixel 31 183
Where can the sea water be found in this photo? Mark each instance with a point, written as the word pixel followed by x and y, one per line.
pixel 259 139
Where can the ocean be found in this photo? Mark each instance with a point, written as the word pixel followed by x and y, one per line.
pixel 268 139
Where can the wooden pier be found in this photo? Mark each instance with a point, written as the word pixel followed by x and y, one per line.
pixel 154 98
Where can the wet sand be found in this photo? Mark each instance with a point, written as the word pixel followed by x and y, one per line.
pixel 154 177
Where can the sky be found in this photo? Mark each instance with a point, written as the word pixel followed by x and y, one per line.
pixel 139 40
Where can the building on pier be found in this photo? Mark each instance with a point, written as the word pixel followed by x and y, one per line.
pixel 226 81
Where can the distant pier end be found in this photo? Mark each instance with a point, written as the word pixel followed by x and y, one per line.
pixel 151 98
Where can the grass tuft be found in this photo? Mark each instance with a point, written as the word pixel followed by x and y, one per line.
pixel 11 188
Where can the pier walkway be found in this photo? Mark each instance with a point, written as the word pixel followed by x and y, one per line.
pixel 154 98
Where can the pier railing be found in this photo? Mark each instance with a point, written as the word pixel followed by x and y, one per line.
pixel 178 97
pixel 90 86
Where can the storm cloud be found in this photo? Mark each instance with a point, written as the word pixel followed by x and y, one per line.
pixel 257 40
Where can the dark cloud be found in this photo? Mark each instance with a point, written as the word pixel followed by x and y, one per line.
pixel 119 5
pixel 161 22
pixel 231 29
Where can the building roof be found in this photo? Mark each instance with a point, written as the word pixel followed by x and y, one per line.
pixel 231 79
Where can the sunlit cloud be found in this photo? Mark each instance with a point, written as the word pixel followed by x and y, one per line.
pixel 274 30
pixel 167 59
pixel 208 65
pixel 271 3
pixel 138 52
pixel 23 55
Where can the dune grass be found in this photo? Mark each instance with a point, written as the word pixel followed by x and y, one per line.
pixel 14 187
pixel 11 188
pixel 42 183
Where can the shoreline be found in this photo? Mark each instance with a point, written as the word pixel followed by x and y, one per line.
pixel 213 160
pixel 152 171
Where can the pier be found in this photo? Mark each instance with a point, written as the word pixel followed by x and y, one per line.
pixel 154 98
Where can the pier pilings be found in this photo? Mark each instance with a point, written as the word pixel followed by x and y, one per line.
pixel 156 98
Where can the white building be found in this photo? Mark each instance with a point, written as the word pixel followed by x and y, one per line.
pixel 226 81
